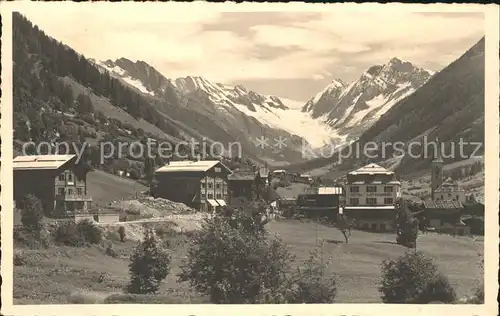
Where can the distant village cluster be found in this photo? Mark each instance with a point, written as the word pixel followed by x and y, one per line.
pixel 371 195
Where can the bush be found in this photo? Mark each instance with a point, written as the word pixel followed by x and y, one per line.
pixel 311 284
pixel 414 278
pixel 121 232
pixel 19 259
pixel 149 265
pixel 71 234
pixel 90 232
pixel 232 261
pixel 32 213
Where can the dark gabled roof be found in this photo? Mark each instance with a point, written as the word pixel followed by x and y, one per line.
pixel 443 204
pixel 242 176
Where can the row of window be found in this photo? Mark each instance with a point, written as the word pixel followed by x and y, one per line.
pixel 211 185
pixel 60 191
pixel 210 196
pixel 62 177
pixel 371 188
pixel 371 201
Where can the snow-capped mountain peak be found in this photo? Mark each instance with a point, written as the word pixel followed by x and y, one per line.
pixel 351 109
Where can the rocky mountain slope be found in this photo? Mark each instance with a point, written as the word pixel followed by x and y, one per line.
pixel 350 109
pixel 449 106
pixel 237 110
pixel 131 99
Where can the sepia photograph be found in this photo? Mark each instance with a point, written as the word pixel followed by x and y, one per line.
pixel 248 155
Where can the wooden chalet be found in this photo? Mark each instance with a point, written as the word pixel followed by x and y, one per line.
pixel 57 180
pixel 199 184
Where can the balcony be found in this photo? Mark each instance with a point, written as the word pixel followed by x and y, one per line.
pixel 73 197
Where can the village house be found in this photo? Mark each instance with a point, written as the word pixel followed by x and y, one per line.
pixel 371 193
pixel 57 180
pixel 450 190
pixel 243 184
pixel 199 184
pixel 320 201
pixel 444 216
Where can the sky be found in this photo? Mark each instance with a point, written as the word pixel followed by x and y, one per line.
pixel 293 55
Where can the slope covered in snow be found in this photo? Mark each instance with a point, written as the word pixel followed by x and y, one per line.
pixel 350 109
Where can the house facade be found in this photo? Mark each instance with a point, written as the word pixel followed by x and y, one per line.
pixel 371 194
pixel 450 190
pixel 199 184
pixel 320 201
pixel 243 184
pixel 57 180
pixel 444 216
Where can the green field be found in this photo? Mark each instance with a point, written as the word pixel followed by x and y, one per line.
pixel 105 187
pixel 50 276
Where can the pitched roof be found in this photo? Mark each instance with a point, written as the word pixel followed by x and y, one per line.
pixel 40 162
pixel 443 204
pixel 371 168
pixel 190 166
pixel 242 175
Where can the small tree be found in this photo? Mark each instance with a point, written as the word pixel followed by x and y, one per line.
pixel 149 265
pixel 345 225
pixel 232 260
pixel 407 227
pixel 415 279
pixel 32 213
pixel 121 232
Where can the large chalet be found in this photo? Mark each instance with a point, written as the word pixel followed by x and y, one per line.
pixel 198 184
pixel 57 180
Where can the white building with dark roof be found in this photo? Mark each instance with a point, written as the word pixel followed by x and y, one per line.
pixel 371 194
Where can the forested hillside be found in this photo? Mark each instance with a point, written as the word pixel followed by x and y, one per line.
pixel 60 96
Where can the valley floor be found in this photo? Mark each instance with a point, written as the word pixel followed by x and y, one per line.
pixel 52 275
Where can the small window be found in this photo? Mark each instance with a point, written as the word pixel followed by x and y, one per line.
pixel 388 189
pixel 60 191
pixel 218 196
pixel 210 185
pixel 210 196
pixel 79 191
pixel 382 227
pixel 61 177
pixel 374 226
pixel 70 192
pixel 354 201
pixel 371 188
pixel 354 189
pixel 388 201
pixel 70 177
pixel 202 195
pixel 217 185
pixel 458 198
pixel 371 201
pixel 218 169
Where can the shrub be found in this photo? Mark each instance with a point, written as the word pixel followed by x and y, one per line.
pixel 19 259
pixel 233 264
pixel 312 284
pixel 90 232
pixel 149 265
pixel 110 251
pixel 414 278
pixel 71 234
pixel 121 232
pixel 32 213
